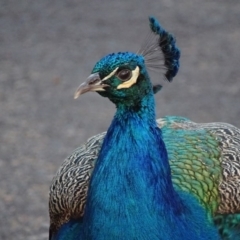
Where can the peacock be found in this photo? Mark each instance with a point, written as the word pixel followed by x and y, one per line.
pixel 144 178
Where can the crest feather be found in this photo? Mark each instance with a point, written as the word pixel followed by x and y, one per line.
pixel 160 50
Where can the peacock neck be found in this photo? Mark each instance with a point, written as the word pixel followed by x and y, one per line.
pixel 132 176
pixel 135 141
pixel 140 111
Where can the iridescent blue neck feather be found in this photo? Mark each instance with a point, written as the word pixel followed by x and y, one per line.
pixel 131 195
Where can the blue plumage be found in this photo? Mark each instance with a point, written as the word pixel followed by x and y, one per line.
pixel 108 63
pixel 131 195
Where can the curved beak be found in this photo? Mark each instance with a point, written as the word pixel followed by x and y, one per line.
pixel 93 84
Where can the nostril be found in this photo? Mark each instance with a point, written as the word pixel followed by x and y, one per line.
pixel 93 81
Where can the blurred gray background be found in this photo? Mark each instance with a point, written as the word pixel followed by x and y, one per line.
pixel 47 48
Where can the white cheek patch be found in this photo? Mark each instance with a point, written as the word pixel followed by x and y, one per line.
pixel 110 75
pixel 131 81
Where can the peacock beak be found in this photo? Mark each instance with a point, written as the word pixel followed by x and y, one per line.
pixel 92 84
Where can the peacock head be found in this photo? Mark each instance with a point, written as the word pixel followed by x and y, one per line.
pixel 120 77
pixel 123 76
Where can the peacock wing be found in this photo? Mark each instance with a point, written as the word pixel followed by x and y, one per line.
pixel 68 190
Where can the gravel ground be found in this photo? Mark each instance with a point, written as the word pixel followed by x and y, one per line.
pixel 48 47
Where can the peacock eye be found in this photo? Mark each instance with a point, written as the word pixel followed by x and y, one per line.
pixel 124 74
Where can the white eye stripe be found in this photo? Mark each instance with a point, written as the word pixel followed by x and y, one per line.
pixel 111 74
pixel 127 84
